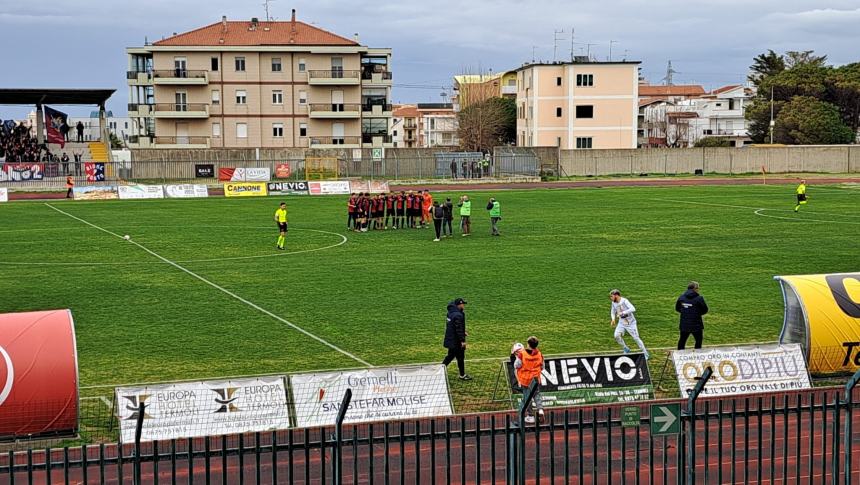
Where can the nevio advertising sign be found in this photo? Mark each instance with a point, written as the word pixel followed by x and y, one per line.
pixel 288 188
pixel 742 370
pixel 193 409
pixel 140 192
pixel 245 189
pixel 571 381
pixel 377 394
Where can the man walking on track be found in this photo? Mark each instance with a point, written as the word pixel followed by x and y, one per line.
pixel 281 220
pixel 529 364
pixel 465 206
pixel 622 312
pixel 455 336
pixel 691 306
pixel 495 216
pixel 801 195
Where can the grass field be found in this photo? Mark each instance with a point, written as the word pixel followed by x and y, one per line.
pixel 379 298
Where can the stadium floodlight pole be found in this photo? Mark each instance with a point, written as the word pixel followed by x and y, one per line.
pixel 338 437
pixel 528 397
pixel 138 431
pixel 691 411
pixel 849 419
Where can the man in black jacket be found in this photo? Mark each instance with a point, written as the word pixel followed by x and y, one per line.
pixel 691 306
pixel 455 336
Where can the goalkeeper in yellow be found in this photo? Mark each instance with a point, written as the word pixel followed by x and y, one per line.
pixel 281 220
pixel 801 195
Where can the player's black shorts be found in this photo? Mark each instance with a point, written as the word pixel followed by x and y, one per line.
pixel 282 226
pixel 401 212
pixel 801 197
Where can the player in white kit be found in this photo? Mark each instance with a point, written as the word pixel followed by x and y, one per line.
pixel 622 312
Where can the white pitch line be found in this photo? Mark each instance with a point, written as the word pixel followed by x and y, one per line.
pixel 758 212
pixel 754 209
pixel 220 288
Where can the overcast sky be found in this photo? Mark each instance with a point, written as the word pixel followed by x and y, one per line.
pixel 48 43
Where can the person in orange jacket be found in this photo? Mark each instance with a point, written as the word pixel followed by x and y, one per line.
pixel 528 363
pixel 70 185
pixel 428 203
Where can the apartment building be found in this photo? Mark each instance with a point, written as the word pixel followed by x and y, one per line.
pixel 269 84
pixel 578 105
pixel 476 88
pixel 437 125
pixel 404 126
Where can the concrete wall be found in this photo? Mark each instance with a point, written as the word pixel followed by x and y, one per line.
pixel 827 159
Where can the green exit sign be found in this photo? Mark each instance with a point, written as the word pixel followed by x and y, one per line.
pixel 630 417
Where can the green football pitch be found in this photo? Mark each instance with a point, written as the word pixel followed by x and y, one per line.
pixel 201 292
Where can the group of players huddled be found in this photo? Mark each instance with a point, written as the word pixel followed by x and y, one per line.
pixel 402 210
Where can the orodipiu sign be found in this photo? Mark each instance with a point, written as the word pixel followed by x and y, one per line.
pixel 822 314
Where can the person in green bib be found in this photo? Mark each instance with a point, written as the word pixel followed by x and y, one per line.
pixel 465 206
pixel 495 215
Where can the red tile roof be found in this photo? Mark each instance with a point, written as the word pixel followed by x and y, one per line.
pixel 647 101
pixel 406 111
pixel 240 33
pixel 725 88
pixel 647 90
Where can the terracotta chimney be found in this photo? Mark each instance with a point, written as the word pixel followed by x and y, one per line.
pixel 224 24
pixel 293 22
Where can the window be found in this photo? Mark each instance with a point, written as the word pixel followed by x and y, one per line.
pixel 216 130
pixel 558 141
pixel 583 142
pixel 395 133
pixel 585 111
pixel 585 80
pixel 216 97
pixel 276 64
pixel 240 64
pixel 302 65
pixel 303 129
pixel 277 130
pixel 241 96
pixel 558 112
pixel 214 64
pixel 277 97
pixel 241 130
pixel 303 97
pixel 558 81
pixel 731 104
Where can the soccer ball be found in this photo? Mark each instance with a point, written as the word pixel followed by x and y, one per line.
pixel 126 237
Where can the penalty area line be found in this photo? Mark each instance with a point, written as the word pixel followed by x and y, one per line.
pixel 219 288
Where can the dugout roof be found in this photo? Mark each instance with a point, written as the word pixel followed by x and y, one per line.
pixel 55 96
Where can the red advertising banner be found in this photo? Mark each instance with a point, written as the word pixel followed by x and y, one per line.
pixel 38 374
pixel 283 171
pixel 226 174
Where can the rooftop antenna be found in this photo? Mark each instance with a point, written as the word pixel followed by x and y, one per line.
pixel 669 73
pixel 555 39
pixel 588 50
pixel 266 6
pixel 571 43
pixel 610 48
pixel 533 52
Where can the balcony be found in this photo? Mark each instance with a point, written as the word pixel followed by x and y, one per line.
pixel 181 110
pixel 140 141
pixel 376 139
pixel 333 77
pixel 181 142
pixel 178 77
pixel 376 109
pixel 329 110
pixel 335 142
pixel 509 89
pixel 139 78
pixel 136 110
pixel 380 78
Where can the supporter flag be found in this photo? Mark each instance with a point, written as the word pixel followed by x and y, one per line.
pixel 54 123
pixel 9 125
pixel 95 171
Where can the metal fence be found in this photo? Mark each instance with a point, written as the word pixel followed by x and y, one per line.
pixel 802 437
pixel 51 175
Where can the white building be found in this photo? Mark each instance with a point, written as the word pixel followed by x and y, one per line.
pixel 437 125
pixel 683 122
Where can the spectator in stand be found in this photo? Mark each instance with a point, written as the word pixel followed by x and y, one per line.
pixel 465 172
pixel 80 128
pixel 78 159
pixel 65 160
pixel 64 129
pixel 454 169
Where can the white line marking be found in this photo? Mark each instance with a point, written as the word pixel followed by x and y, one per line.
pixel 222 289
pixel 343 241
pixel 753 208
pixel 758 212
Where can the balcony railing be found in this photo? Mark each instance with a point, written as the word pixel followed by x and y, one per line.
pixel 181 140
pixel 335 107
pixel 366 75
pixel 179 107
pixel 179 74
pixel 368 137
pixel 369 107
pixel 332 74
pixel 134 74
pixel 334 140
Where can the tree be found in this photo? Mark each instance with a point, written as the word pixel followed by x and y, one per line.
pixel 809 121
pixel 481 126
pixel 713 142
pixel 803 58
pixel 842 88
pixel 766 65
pixel 508 107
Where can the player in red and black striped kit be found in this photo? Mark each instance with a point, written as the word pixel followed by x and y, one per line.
pixel 389 210
pixel 350 209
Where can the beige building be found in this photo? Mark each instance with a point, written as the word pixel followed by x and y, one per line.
pixel 259 84
pixel 578 104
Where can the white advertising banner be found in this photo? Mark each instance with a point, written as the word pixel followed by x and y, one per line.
pixel 186 191
pixel 329 187
pixel 140 192
pixel 194 409
pixel 377 394
pixel 4 194
pixel 253 174
pixel 743 370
